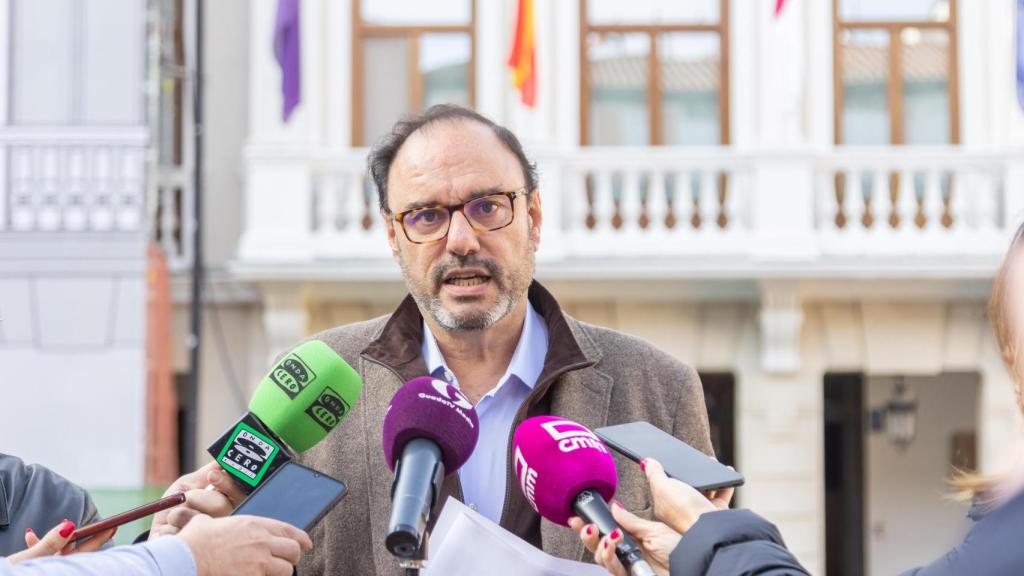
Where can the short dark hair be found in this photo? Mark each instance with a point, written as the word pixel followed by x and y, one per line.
pixel 386 149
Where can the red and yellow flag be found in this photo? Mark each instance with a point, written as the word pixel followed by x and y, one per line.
pixel 522 60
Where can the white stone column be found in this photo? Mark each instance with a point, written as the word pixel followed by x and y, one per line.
pixel 565 74
pixel 783 208
pixel 5 90
pixel 493 78
pixel 337 72
pixel 781 319
pixel 285 317
pixel 1005 115
pixel 780 440
pixel 781 66
pixel 999 419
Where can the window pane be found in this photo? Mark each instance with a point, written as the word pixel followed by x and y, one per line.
pixel 416 11
pixel 895 10
pixel 618 70
pixel 43 59
pixel 864 59
pixel 444 68
pixel 385 96
pixel 925 63
pixel 690 74
pixel 653 11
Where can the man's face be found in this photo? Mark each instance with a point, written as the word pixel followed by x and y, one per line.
pixel 471 279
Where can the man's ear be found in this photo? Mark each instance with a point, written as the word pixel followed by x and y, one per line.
pixel 536 216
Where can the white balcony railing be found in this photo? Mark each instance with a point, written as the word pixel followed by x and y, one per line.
pixel 717 209
pixel 887 201
pixel 72 180
pixel 171 223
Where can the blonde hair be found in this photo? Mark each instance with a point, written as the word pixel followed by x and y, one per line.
pixel 1009 332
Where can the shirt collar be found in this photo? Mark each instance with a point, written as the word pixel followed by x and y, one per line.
pixel 527 361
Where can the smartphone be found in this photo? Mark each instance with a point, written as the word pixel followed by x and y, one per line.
pixel 129 516
pixel 294 494
pixel 683 462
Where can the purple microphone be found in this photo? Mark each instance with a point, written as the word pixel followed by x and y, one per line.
pixel 430 430
pixel 564 470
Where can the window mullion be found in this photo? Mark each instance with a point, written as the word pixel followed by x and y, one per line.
pixel 896 121
pixel 654 90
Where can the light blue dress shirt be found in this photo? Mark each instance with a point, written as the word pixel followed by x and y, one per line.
pixel 165 556
pixel 484 475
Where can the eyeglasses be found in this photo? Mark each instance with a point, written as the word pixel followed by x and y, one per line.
pixel 484 214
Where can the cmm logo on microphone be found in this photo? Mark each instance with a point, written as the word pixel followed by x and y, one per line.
pixel 572 436
pixel 328 409
pixel 292 375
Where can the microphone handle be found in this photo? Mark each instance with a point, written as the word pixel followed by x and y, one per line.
pixel 594 510
pixel 417 484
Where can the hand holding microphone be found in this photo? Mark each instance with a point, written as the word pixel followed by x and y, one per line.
pixel 300 400
pixel 564 470
pixel 678 506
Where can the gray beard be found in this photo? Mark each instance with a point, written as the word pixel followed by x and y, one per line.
pixel 471 322
pixel 466 323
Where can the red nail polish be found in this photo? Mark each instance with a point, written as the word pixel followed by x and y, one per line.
pixel 615 534
pixel 606 544
pixel 590 529
pixel 66 528
pixel 643 464
pixel 28 530
pixel 617 503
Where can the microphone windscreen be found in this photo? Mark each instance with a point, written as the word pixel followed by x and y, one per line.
pixel 306 394
pixel 555 460
pixel 429 408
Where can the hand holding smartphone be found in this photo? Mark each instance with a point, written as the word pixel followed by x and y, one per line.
pixel 129 516
pixel 294 494
pixel 638 440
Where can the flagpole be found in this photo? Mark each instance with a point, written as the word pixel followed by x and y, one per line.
pixel 196 310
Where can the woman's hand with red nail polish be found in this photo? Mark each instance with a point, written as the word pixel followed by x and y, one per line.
pixel 57 541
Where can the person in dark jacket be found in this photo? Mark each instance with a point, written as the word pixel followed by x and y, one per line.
pixel 992 546
pixel 34 499
pixel 694 535
pixel 697 535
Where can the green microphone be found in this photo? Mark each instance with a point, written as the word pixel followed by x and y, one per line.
pixel 303 397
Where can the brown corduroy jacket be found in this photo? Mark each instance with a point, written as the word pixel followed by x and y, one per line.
pixel 592 375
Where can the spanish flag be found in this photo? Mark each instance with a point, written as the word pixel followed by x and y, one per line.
pixel 522 60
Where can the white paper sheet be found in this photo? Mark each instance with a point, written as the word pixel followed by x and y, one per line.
pixel 466 543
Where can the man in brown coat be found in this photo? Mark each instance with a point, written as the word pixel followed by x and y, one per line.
pixel 463 216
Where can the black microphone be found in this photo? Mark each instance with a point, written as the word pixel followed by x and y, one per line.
pixel 430 430
pixel 590 506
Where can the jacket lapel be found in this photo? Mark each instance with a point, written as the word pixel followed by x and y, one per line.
pixel 391 360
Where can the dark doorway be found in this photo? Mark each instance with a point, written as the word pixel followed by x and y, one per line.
pixel 844 474
pixel 181 382
pixel 720 399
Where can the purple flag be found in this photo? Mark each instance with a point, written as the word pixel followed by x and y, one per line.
pixel 286 50
pixel 1020 53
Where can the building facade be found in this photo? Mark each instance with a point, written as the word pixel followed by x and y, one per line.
pixel 74 143
pixel 807 206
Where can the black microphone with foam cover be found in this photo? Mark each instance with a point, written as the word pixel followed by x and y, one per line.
pixel 430 430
